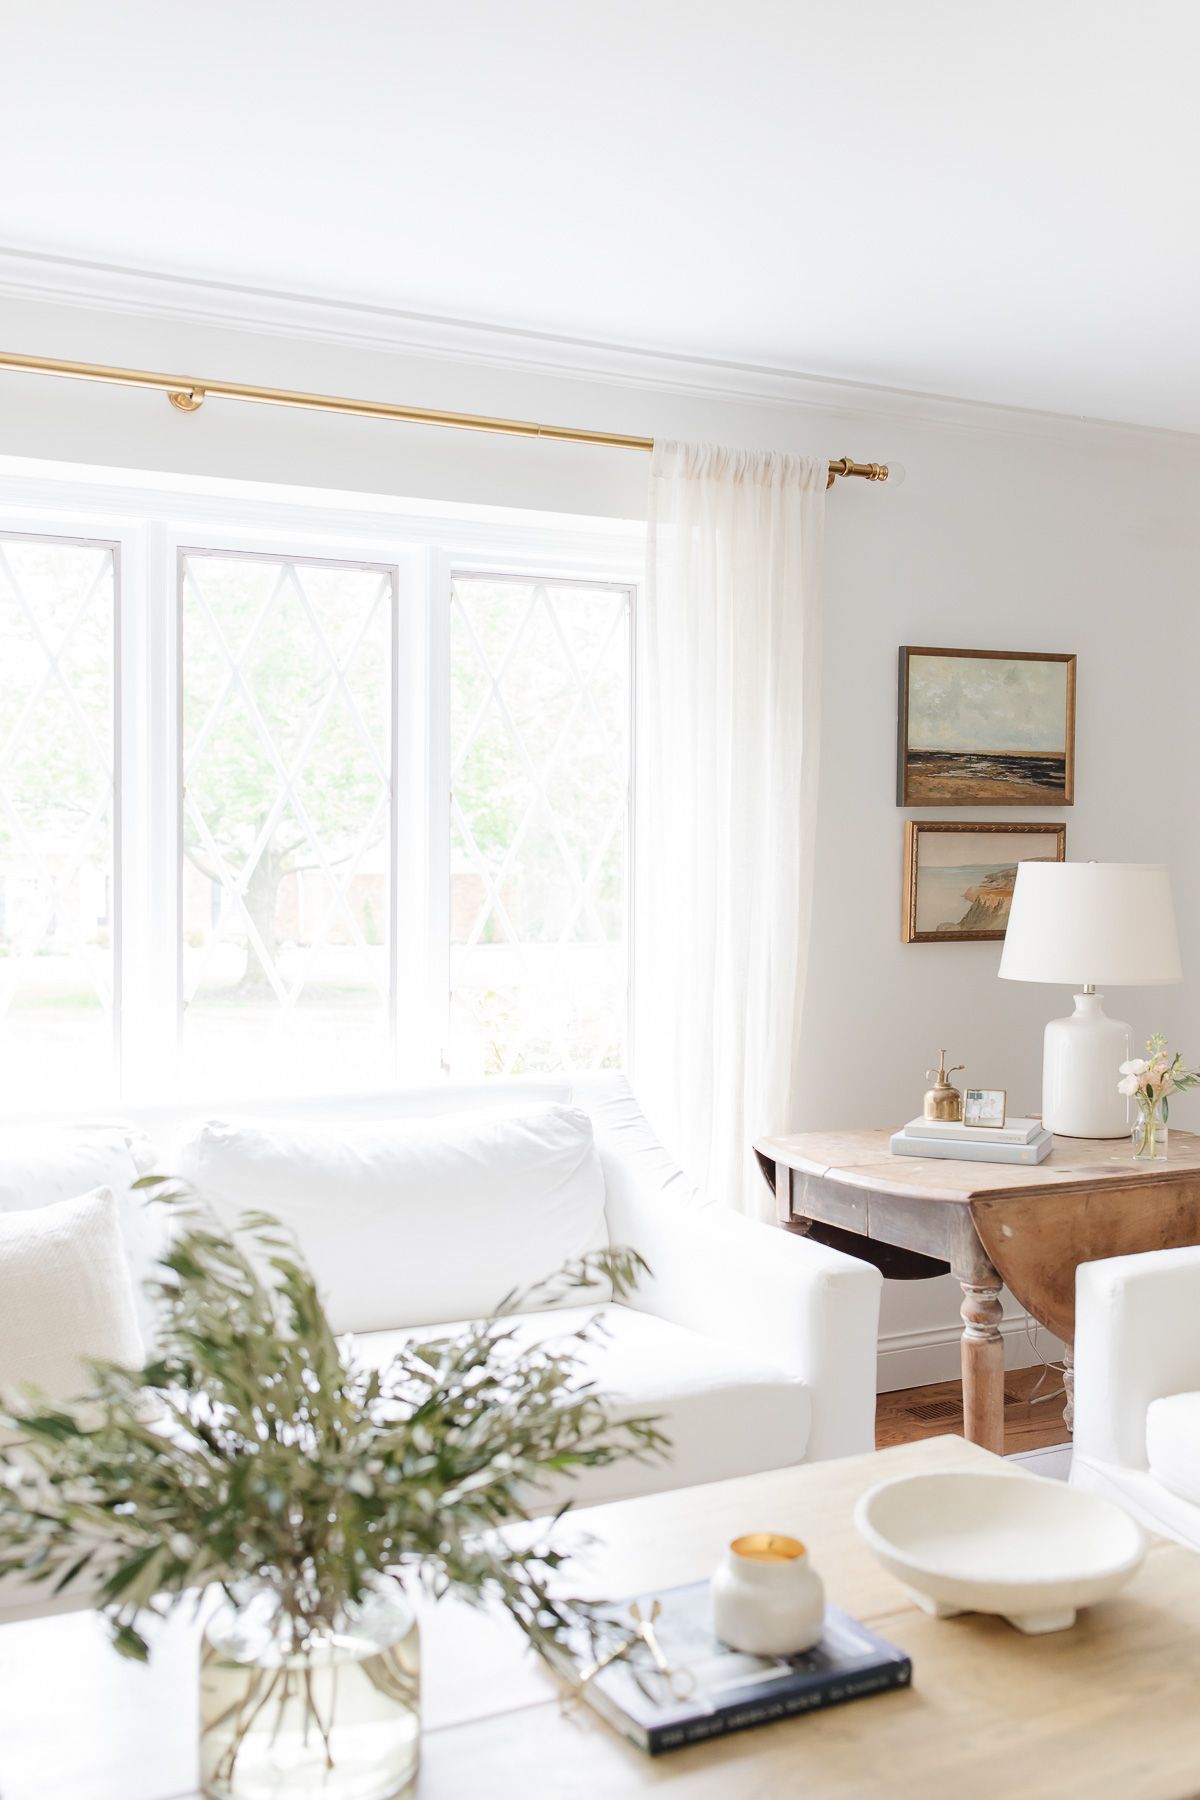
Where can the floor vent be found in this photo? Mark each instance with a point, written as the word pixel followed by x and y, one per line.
pixel 934 1412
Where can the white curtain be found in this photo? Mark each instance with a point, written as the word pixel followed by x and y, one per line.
pixel 728 701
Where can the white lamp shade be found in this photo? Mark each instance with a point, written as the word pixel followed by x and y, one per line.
pixel 1111 924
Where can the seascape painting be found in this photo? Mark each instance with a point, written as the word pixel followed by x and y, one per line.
pixel 986 728
pixel 959 879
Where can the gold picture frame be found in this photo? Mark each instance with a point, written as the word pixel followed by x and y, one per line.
pixel 981 1095
pixel 972 735
pixel 942 874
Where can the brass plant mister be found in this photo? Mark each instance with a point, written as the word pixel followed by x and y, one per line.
pixel 943 1100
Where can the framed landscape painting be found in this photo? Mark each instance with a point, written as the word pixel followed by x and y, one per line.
pixel 959 879
pixel 986 728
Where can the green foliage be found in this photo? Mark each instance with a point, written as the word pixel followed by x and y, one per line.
pixel 254 1449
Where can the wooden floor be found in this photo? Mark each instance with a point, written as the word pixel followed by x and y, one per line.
pixel 922 1412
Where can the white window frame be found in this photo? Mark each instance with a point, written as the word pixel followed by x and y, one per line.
pixel 149 521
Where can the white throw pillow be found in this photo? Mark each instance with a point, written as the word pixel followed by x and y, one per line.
pixel 39 1165
pixel 65 1295
pixel 416 1221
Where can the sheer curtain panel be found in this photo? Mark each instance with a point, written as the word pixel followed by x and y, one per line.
pixel 728 704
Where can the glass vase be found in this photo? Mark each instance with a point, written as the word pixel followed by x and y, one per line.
pixel 1150 1135
pixel 336 1715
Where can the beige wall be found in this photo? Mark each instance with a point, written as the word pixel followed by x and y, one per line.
pixel 1011 531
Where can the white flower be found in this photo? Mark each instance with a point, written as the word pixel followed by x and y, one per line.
pixel 1128 1086
pixel 1138 1066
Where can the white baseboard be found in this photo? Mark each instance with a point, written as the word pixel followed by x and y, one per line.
pixel 916 1358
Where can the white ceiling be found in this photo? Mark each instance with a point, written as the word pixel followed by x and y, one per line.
pixel 993 201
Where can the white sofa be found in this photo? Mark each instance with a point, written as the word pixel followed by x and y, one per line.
pixel 1137 1387
pixel 754 1346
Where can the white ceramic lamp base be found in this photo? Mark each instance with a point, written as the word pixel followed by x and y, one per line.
pixel 1081 1065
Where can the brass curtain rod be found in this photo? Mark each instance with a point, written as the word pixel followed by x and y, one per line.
pixel 188 395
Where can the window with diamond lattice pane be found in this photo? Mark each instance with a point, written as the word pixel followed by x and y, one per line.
pixel 287 822
pixel 57 803
pixel 540 744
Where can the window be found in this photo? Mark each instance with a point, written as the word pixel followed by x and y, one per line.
pixel 292 803
pixel 287 796
pixel 539 815
pixel 59 892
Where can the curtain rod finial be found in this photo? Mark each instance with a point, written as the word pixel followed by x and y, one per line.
pixel 846 465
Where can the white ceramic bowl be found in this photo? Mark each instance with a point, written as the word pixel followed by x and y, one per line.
pixel 1029 1549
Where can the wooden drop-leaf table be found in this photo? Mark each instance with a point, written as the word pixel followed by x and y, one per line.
pixel 987 1224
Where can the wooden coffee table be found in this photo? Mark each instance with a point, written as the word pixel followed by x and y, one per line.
pixel 987 1224
pixel 1105 1711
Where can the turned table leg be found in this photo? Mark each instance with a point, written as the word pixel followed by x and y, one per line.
pixel 983 1365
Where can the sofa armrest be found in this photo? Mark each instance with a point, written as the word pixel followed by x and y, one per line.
pixel 808 1310
pixel 1135 1341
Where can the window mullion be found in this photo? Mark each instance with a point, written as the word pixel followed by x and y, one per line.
pixel 436 808
pixel 150 810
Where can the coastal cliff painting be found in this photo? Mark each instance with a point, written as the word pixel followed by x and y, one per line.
pixel 986 728
pixel 959 879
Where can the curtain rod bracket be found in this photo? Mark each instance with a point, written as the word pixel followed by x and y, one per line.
pixel 186 399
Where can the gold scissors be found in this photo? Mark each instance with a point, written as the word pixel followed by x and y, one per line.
pixel 681 1683
pixel 622 1647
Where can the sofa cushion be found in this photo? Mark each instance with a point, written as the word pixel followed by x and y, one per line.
pixel 67 1295
pixel 414 1221
pixel 44 1164
pixel 1173 1444
pixel 725 1411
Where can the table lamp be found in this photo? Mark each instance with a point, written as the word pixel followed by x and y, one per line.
pixel 1089 923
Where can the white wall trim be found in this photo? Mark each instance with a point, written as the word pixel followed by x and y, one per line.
pixel 110 288
pixel 552 544
pixel 916 1358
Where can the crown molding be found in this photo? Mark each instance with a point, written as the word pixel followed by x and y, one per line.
pixel 110 288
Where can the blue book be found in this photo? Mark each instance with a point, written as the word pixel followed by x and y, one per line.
pixel 967 1150
pixel 726 1689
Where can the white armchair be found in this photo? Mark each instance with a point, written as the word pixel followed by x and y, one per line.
pixel 791 1303
pixel 1137 1387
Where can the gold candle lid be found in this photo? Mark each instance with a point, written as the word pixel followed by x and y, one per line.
pixel 767 1546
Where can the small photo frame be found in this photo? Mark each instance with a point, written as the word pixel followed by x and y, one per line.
pixel 985 1107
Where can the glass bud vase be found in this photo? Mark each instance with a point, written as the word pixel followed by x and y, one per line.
pixel 1150 1135
pixel 335 1715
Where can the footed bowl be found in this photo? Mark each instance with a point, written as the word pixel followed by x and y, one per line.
pixel 1032 1550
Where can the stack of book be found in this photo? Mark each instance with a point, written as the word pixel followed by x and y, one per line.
pixel 1017 1141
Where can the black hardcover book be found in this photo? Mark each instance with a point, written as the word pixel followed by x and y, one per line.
pixel 712 1689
